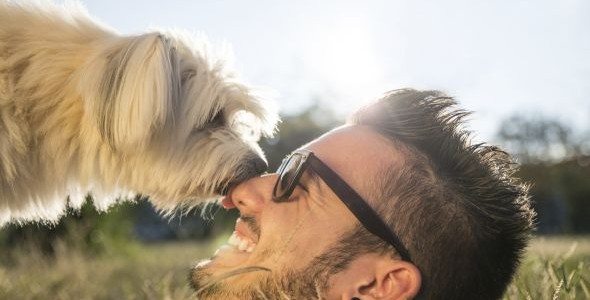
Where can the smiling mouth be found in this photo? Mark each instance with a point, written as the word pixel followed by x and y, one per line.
pixel 243 238
pixel 242 243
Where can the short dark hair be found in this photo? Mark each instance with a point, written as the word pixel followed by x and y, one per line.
pixel 457 206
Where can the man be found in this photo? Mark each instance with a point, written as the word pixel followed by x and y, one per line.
pixel 396 204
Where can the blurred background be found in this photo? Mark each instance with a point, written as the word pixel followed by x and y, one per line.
pixel 523 67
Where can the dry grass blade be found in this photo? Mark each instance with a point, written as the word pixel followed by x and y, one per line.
pixel 557 290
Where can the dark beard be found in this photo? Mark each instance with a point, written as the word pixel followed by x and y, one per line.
pixel 290 285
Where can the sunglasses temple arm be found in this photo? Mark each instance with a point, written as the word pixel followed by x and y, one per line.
pixel 362 211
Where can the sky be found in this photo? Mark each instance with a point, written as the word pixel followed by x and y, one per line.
pixel 497 58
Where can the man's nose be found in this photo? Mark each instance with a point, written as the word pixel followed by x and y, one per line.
pixel 251 196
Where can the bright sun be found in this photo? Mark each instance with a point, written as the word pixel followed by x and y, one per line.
pixel 343 58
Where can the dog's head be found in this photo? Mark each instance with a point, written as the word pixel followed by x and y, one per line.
pixel 182 127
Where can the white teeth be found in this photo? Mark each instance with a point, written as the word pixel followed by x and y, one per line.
pixel 234 240
pixel 242 244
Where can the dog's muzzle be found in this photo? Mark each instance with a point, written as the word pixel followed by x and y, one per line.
pixel 251 168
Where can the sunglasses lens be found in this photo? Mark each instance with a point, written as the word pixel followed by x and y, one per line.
pixel 288 173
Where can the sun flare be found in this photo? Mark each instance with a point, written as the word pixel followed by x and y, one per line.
pixel 343 58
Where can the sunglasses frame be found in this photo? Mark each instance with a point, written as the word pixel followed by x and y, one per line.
pixel 353 201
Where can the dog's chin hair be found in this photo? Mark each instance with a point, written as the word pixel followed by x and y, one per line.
pixel 85 109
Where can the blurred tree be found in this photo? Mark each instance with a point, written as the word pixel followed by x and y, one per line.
pixel 538 139
pixel 86 229
pixel 554 160
pixel 561 194
pixel 296 130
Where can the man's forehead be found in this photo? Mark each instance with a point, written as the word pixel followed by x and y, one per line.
pixel 355 152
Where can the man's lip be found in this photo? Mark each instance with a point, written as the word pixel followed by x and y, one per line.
pixel 243 230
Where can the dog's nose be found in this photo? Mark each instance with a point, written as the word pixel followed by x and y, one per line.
pixel 259 165
pixel 252 168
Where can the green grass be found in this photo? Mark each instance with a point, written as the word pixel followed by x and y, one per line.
pixel 554 268
pixel 155 271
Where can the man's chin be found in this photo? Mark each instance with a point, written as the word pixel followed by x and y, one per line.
pixel 204 279
pixel 228 257
pixel 211 276
pixel 213 280
pixel 199 275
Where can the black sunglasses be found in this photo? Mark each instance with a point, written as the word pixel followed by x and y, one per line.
pixel 293 167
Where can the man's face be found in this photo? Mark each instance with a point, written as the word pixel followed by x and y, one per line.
pixel 281 240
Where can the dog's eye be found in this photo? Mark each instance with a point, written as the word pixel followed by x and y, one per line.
pixel 187 75
pixel 218 120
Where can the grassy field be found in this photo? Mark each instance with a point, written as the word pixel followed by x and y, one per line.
pixel 554 268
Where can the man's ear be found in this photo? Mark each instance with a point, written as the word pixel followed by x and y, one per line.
pixel 130 87
pixel 393 279
pixel 373 276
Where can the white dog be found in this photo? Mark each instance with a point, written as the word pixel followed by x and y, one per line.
pixel 83 108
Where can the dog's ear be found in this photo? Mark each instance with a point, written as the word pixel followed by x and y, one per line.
pixel 130 89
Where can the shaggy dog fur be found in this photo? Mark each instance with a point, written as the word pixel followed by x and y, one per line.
pixel 83 108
